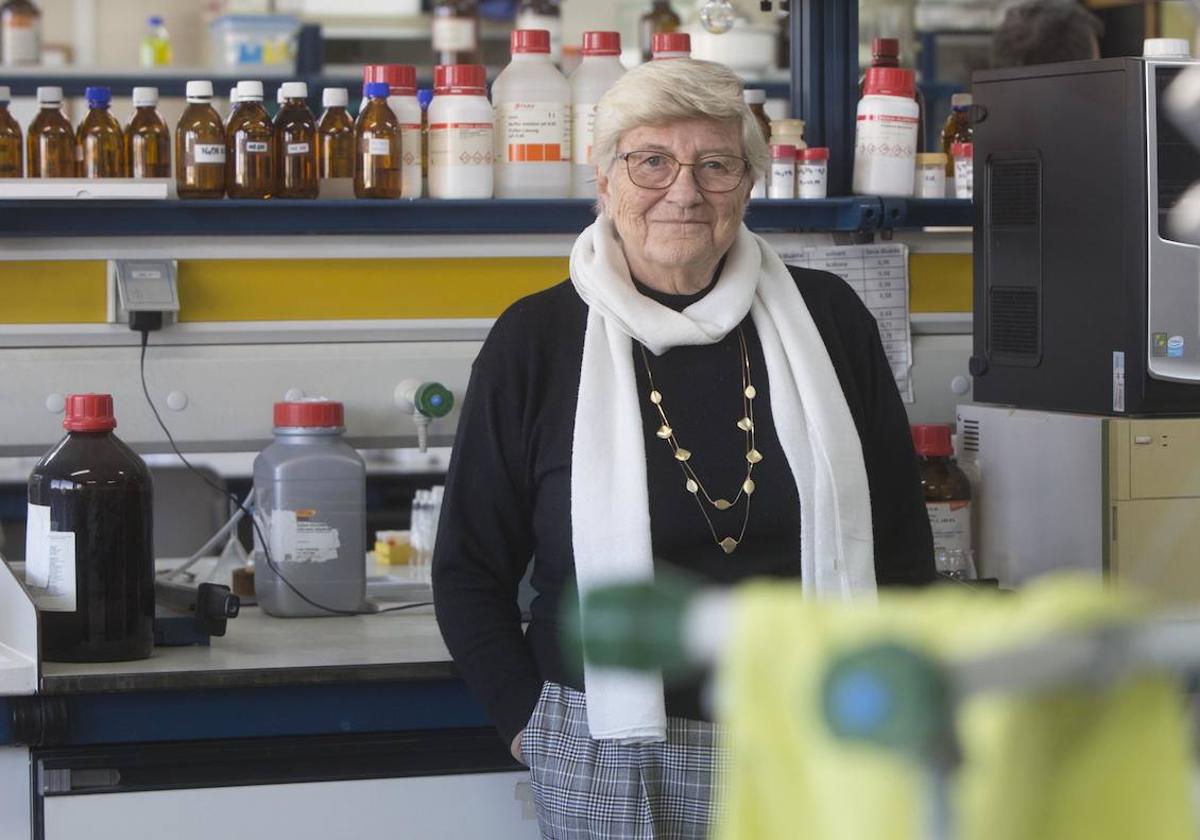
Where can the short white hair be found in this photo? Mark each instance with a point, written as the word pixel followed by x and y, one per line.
pixel 673 90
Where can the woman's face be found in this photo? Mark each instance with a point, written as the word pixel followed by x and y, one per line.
pixel 679 225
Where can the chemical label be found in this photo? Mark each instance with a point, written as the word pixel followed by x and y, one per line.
pixel 951 525
pixel 964 178
pixel 410 160
pixel 1118 381
pixel 460 144
pixel 21 41
pixel 810 180
pixel 379 146
pixel 931 182
pixel 583 130
pixel 298 536
pixel 884 135
pixel 452 34
pixel 209 153
pixel 533 132
pixel 257 146
pixel 298 148
pixel 49 562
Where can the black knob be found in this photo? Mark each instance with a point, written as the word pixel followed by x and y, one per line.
pixel 978 365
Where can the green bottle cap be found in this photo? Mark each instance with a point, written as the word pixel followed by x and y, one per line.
pixel 434 400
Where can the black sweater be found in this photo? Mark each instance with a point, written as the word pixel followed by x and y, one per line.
pixel 508 493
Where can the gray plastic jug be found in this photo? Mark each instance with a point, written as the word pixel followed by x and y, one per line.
pixel 310 504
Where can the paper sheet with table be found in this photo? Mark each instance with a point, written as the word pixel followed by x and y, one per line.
pixel 879 274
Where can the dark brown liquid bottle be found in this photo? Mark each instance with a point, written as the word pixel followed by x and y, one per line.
pixel 200 146
pixel 89 541
pixel 660 18
pixel 947 500
pixel 296 144
pixel 100 141
pixel 456 32
pixel 377 144
pixel 249 146
pixel 50 143
pixel 958 128
pixel 147 138
pixel 335 136
pixel 12 152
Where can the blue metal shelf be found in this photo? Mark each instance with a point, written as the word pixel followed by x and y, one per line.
pixel 926 212
pixel 99 217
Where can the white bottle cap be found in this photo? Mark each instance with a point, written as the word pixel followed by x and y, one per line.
pixel 5 93
pixel 199 90
pixel 279 94
pixel 252 91
pixel 294 90
pixel 1166 48
pixel 335 98
pixel 754 96
pixel 233 95
pixel 961 100
pixel 49 96
pixel 145 96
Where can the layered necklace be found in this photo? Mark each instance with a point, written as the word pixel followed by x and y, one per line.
pixel 683 457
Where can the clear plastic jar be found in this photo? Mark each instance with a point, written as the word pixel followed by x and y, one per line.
pixel 812 172
pixel 930 180
pixel 781 183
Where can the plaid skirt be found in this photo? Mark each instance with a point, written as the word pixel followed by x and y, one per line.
pixel 587 789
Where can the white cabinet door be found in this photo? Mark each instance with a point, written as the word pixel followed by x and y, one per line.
pixel 497 806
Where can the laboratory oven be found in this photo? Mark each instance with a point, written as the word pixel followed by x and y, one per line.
pixel 1083 299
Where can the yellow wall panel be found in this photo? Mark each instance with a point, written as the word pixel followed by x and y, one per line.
pixel 939 282
pixel 52 292
pixel 317 290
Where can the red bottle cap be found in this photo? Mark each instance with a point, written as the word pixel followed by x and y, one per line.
pixel 400 78
pixel 932 441
pixel 671 42
pixel 601 43
pixel 885 48
pixel 783 151
pixel 89 413
pixel 817 153
pixel 962 150
pixel 459 78
pixel 309 414
pixel 530 41
pixel 890 81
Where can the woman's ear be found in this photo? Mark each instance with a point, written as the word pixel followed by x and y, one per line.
pixel 602 183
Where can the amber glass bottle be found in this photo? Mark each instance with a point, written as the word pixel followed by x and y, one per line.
pixel 958 128
pixel 335 136
pixel 947 500
pixel 377 144
pixel 456 32
pixel 660 18
pixel 295 144
pixel 100 140
pixel 51 140
pixel 12 155
pixel 250 146
pixel 147 138
pixel 200 146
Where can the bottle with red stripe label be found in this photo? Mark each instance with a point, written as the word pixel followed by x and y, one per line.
pixel 532 103
pixel 885 137
pixel 460 133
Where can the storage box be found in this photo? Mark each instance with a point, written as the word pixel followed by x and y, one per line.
pixel 254 41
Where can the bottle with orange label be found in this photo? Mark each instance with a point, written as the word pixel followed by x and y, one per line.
pixel 947 500
pixel 532 103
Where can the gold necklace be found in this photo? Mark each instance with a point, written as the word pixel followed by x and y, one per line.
pixel 683 457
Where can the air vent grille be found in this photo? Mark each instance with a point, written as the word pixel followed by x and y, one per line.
pixel 1013 321
pixel 1014 192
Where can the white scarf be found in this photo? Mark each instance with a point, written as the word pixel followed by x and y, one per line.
pixel 610 509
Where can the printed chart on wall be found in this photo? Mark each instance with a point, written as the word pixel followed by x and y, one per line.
pixel 879 274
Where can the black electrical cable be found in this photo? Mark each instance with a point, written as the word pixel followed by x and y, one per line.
pixel 253 520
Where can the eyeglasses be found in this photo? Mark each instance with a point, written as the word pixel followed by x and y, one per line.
pixel 658 171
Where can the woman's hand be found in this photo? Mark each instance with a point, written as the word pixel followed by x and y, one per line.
pixel 515 749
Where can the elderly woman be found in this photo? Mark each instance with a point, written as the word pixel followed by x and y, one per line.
pixel 686 401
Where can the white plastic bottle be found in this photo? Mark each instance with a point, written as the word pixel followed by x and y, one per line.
pixel 403 102
pixel 670 45
pixel 782 181
pixel 532 104
pixel 460 133
pixel 599 70
pixel 885 141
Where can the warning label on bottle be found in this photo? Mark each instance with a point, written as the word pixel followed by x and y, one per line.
pixel 257 146
pixel 410 160
pixel 49 562
pixel 951 525
pixel 298 536
pixel 533 132
pixel 460 144
pixel 21 40
pixel 209 152
pixel 298 148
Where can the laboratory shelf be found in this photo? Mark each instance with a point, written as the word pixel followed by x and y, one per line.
pixel 227 217
pixel 927 212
